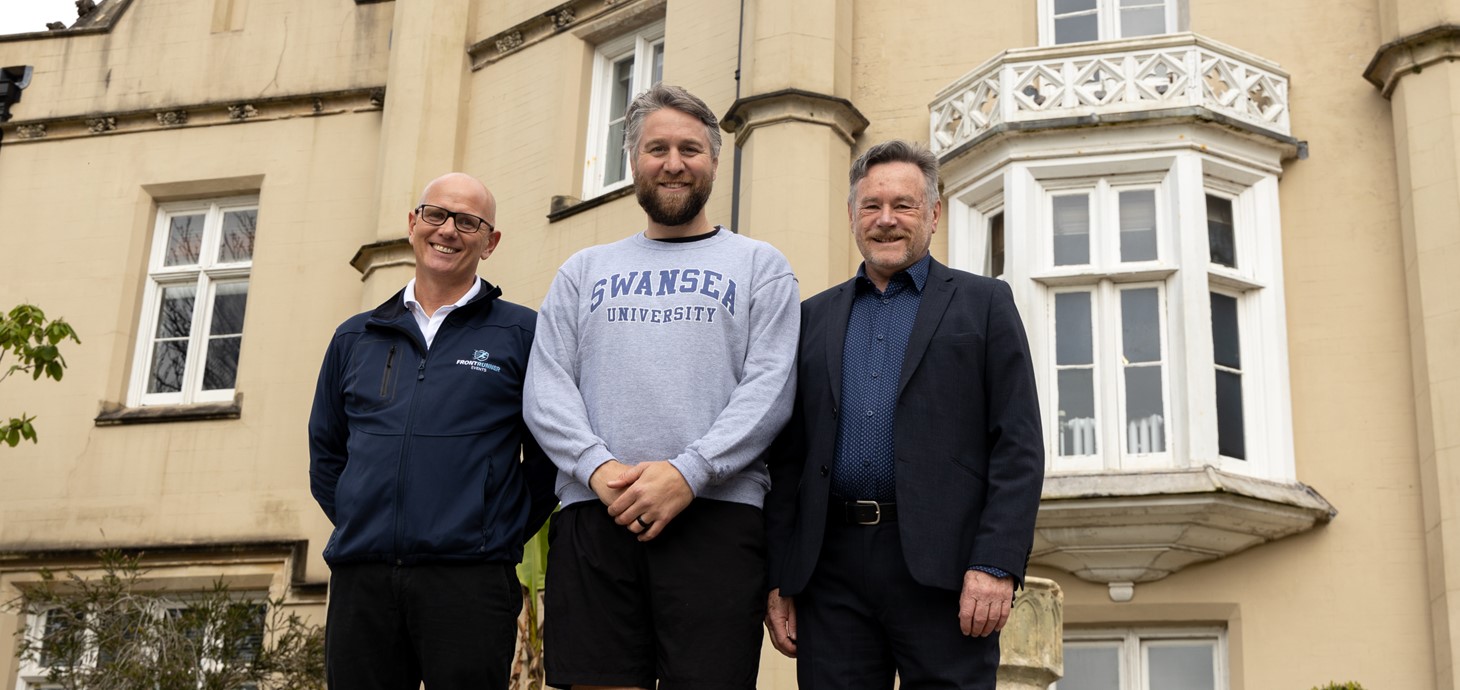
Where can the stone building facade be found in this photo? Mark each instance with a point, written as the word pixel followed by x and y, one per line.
pixel 1232 228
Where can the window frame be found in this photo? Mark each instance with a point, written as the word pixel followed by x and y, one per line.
pixel 205 277
pixel 1134 644
pixel 32 675
pixel 1182 267
pixel 1108 20
pixel 639 44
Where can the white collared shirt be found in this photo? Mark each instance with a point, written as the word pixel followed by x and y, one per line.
pixel 430 323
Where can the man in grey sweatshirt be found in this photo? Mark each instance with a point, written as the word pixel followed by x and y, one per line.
pixel 663 366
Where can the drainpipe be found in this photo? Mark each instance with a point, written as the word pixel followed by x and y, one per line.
pixel 735 173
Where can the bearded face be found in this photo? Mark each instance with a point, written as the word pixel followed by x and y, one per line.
pixel 674 171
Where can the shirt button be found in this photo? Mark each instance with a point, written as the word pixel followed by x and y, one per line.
pixel 874 374
pixel 879 336
pixel 824 471
pixel 869 413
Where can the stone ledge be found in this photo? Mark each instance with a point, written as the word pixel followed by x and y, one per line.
pixel 793 105
pixel 1410 55
pixel 116 414
pixel 194 115
pixel 565 206
pixel 594 16
pixel 1125 528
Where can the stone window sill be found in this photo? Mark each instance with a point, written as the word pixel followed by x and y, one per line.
pixel 116 414
pixel 565 206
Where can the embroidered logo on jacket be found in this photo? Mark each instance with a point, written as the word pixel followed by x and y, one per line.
pixel 478 361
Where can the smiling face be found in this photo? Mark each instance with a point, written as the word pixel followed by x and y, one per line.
pixel 673 173
pixel 892 220
pixel 444 255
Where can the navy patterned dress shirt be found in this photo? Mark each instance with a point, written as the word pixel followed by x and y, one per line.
pixel 877 333
pixel 878 330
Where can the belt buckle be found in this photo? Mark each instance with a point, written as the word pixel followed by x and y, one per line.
pixel 876 511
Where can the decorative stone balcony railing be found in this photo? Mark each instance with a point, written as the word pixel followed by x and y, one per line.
pixel 1092 83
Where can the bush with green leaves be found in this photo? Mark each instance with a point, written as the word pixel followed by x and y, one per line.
pixel 1350 685
pixel 118 632
pixel 34 343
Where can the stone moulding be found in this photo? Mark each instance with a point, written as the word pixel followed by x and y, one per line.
pixel 197 115
pixel 793 105
pixel 1126 528
pixel 385 253
pixel 1064 85
pixel 1410 55
pixel 544 25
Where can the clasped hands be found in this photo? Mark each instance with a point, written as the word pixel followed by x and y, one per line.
pixel 645 497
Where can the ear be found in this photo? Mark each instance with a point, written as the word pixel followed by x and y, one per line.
pixel 937 213
pixel 411 223
pixel 491 245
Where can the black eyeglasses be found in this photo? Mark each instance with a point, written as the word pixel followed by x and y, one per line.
pixel 465 222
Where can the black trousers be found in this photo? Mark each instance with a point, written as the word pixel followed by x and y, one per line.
pixel 862 618
pixel 390 627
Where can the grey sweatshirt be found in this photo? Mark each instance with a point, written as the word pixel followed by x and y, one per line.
pixel 651 350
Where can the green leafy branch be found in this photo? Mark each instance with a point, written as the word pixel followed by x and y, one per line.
pixel 33 342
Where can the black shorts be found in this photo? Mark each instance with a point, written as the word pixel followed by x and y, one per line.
pixel 682 611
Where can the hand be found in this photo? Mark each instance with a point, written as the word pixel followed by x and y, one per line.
pixel 652 494
pixel 983 607
pixel 602 477
pixel 780 620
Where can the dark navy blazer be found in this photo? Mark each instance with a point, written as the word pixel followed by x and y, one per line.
pixel 968 441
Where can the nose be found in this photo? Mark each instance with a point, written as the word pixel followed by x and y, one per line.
pixel 885 217
pixel 673 164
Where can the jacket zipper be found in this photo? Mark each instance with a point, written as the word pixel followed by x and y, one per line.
pixel 400 471
pixel 385 380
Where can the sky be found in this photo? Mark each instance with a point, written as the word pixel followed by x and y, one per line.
pixel 19 16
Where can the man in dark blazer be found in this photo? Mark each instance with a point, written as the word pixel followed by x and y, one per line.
pixel 904 490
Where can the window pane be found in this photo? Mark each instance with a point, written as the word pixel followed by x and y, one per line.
pixel 1230 441
pixel 1073 343
pixel 1220 234
pixel 1138 225
pixel 1091 668
pixel 1142 21
pixel 229 300
pixel 169 358
pixel 175 314
pixel 184 240
pixel 1077 412
pixel 237 241
pixel 657 71
pixel 614 160
pixel 1188 667
pixel 222 367
pixel 1076 29
pixel 1145 425
pixel 1071 229
pixel 996 245
pixel 1226 340
pixel 1140 324
pixel 1068 6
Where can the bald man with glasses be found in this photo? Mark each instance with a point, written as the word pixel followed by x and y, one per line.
pixel 415 440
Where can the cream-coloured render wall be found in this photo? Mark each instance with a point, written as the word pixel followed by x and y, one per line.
pixel 165 52
pixel 526 142
pixel 85 486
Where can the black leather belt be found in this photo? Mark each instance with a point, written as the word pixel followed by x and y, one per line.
pixel 862 512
